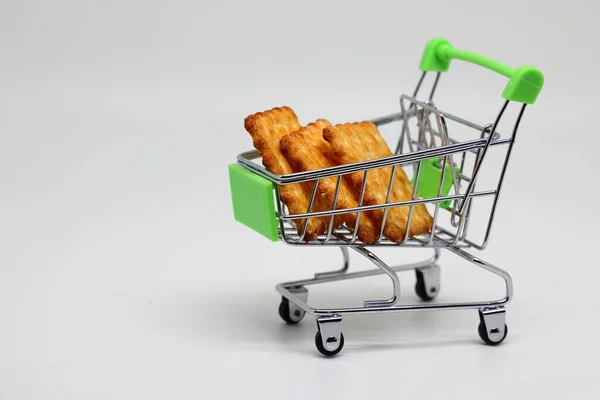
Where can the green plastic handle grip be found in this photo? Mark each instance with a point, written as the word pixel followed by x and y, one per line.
pixel 525 82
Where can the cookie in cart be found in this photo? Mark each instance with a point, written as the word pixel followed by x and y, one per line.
pixel 342 184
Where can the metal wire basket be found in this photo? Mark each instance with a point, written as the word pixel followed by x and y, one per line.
pixel 445 176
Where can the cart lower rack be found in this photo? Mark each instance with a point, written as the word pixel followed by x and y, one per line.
pixel 446 174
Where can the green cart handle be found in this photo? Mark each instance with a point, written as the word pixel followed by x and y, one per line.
pixel 525 82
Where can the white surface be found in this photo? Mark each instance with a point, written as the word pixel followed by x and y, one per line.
pixel 124 276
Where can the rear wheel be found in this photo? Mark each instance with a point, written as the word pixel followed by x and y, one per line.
pixel 290 317
pixel 426 294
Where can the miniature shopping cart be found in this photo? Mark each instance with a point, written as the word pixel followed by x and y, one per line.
pixel 447 177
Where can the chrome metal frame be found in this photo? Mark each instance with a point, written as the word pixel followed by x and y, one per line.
pixel 430 139
pixel 390 305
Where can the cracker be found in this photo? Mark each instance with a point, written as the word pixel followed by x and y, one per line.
pixel 267 128
pixel 362 141
pixel 306 150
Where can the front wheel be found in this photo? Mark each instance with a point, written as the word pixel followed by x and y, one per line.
pixel 427 287
pixel 334 346
pixel 492 338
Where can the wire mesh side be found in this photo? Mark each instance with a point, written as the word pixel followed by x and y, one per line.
pixel 430 132
pixel 349 235
pixel 424 135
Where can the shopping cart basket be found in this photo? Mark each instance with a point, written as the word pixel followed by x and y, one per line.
pixel 445 174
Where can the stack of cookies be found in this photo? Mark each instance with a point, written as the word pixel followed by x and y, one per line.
pixel 287 147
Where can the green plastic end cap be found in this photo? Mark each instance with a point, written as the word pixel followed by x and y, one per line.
pixel 253 201
pixel 525 85
pixel 429 180
pixel 433 59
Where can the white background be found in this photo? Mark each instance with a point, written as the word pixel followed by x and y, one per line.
pixel 124 276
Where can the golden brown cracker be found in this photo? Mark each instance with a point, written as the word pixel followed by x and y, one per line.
pixel 267 128
pixel 306 150
pixel 362 141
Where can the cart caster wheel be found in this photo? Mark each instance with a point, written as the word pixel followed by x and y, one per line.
pixel 331 344
pixel 483 334
pixel 428 282
pixel 291 315
pixel 329 338
pixel 492 325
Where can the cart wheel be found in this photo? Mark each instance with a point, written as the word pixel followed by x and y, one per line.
pixel 421 288
pixel 323 350
pixel 291 317
pixel 484 335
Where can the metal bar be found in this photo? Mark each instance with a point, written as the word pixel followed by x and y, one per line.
pixel 387 200
pixel 467 213
pixel 483 153
pixel 442 241
pixel 361 166
pixel 471 243
pixel 378 206
pixel 487 266
pixel 419 117
pixel 447 232
pixel 413 243
pixel 429 243
pixel 432 142
pixel 445 114
pixel 445 138
pixel 360 274
pixel 411 208
pixel 437 203
pixel 291 229
pixel 282 288
pixel 360 202
pixel 464 219
pixel 335 197
pixel 310 204
pixel 502 173
pixel 453 141
pixel 435 83
pixel 419 83
pixel 344 235
pixel 389 272
pixel 405 130
pixel 462 167
pixel 279 211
